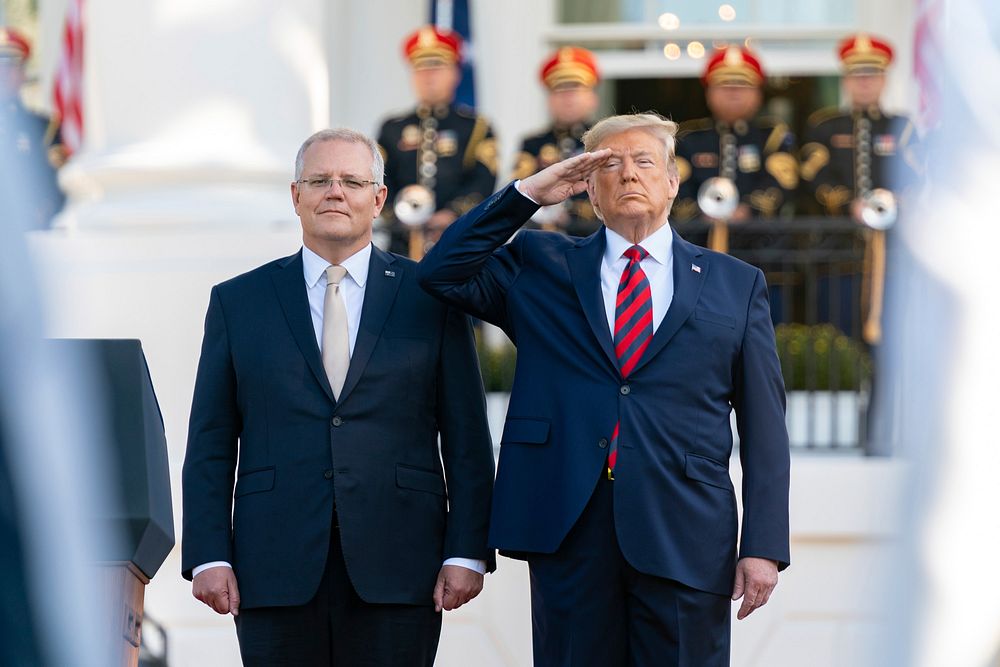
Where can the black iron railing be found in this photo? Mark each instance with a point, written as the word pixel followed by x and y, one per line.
pixel 819 289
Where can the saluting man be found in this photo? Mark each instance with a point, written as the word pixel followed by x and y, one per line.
pixel 446 148
pixel 756 153
pixel 570 76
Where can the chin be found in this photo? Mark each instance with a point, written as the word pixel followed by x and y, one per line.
pixel 632 212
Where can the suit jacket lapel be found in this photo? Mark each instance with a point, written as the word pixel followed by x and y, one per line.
pixel 384 278
pixel 290 285
pixel 584 260
pixel 687 287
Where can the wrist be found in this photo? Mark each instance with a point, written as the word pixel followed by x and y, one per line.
pixel 525 190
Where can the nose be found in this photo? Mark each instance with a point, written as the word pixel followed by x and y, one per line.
pixel 628 172
pixel 335 191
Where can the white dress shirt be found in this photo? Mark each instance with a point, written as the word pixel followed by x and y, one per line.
pixel 352 291
pixel 658 267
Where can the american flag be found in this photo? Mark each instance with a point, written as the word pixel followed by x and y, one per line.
pixel 927 56
pixel 457 15
pixel 69 79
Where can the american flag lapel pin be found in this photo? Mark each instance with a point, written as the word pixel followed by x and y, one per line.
pixel 391 274
pixel 696 268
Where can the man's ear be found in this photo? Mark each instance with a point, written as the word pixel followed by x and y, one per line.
pixel 593 196
pixel 674 178
pixel 380 197
pixel 295 196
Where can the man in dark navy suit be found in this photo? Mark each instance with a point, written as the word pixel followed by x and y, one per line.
pixel 633 348
pixel 325 381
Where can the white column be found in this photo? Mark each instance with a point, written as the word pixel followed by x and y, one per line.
pixel 369 77
pixel 193 111
pixel 510 47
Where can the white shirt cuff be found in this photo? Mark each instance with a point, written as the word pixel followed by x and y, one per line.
pixel 468 563
pixel 215 563
pixel 517 186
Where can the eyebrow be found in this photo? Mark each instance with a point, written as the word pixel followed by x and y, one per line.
pixel 635 156
pixel 326 175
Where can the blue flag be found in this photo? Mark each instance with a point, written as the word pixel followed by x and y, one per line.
pixel 455 15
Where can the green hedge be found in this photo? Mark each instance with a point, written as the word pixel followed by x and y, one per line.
pixel 821 357
pixel 818 357
pixel 497 364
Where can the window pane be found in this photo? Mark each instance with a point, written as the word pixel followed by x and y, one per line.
pixel 702 12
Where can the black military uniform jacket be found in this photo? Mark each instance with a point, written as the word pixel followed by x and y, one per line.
pixel 552 145
pixel 847 153
pixel 25 140
pixel 757 155
pixel 449 149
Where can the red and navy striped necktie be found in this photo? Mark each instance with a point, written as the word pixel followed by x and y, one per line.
pixel 633 324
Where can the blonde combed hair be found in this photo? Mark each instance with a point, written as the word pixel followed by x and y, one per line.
pixel 650 122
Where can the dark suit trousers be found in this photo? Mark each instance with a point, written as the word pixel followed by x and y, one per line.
pixel 338 629
pixel 590 607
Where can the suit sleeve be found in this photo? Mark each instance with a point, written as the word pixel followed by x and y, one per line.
pixel 759 401
pixel 470 267
pixel 479 169
pixel 466 445
pixel 210 461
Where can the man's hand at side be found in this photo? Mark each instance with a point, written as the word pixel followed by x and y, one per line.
pixel 755 580
pixel 455 586
pixel 216 587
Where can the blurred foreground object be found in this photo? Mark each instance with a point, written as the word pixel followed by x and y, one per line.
pixel 941 364
pixel 29 140
pixel 54 468
pixel 142 515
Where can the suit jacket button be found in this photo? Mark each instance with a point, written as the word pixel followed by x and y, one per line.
pixel 337 421
pixel 602 443
pixel 625 390
pixel 328 474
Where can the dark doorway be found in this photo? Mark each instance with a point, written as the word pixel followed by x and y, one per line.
pixel 791 99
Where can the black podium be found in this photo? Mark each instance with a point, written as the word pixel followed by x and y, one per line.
pixel 141 512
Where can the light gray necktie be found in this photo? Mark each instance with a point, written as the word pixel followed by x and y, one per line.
pixel 336 338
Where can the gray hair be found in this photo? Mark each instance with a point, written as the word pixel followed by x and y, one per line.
pixel 348 135
pixel 651 122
